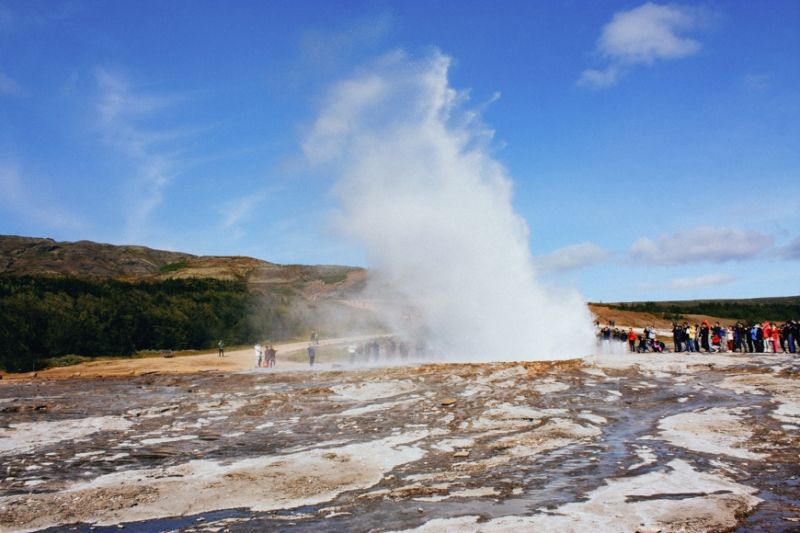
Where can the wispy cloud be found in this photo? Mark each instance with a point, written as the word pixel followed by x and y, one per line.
pixel 678 284
pixel 122 112
pixel 702 244
pixel 791 251
pixel 326 52
pixel 31 203
pixel 571 258
pixel 642 36
pixel 758 82
pixel 6 19
pixel 326 49
pixel 236 211
pixel 7 85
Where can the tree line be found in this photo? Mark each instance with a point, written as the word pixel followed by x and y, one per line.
pixel 44 317
pixel 749 313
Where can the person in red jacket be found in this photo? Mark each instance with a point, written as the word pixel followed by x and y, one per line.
pixel 632 340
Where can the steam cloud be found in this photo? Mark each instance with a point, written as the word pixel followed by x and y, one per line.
pixel 432 209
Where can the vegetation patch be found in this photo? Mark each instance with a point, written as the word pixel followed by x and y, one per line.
pixel 172 267
pixel 44 319
pixel 749 312
pixel 283 290
pixel 334 278
pixel 66 360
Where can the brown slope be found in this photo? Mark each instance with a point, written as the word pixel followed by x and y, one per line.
pixel 37 256
pixel 30 255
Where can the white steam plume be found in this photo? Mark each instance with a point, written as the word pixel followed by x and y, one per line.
pixel 432 209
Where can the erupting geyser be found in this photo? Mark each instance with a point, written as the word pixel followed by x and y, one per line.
pixel 432 209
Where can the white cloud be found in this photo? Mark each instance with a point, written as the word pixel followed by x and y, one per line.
pixel 701 244
pixel 7 85
pixel 709 280
pixel 571 258
pixel 640 37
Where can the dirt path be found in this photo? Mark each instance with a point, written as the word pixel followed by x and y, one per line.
pixel 234 361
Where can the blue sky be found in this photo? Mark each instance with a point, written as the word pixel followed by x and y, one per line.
pixel 654 148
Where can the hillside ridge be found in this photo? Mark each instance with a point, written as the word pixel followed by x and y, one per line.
pixel 37 256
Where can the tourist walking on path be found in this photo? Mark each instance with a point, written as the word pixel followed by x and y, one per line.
pixel 258 355
pixel 311 354
pixel 221 349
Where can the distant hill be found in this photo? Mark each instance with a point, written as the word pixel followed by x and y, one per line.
pixel 746 310
pixel 46 257
pixel 788 300
pixel 60 301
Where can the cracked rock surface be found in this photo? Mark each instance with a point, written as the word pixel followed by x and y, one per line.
pixel 672 442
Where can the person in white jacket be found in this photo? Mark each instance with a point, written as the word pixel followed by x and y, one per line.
pixel 258 355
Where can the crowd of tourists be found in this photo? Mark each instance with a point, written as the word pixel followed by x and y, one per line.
pixel 266 356
pixel 617 340
pixel 374 351
pixel 371 350
pixel 743 338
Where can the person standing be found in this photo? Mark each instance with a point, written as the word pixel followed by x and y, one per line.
pixel 605 334
pixel 776 333
pixel 760 346
pixel 390 349
pixel 351 350
pixel 688 332
pixel 273 356
pixel 403 349
pixel 704 331
pixel 786 334
pixel 677 337
pixel 716 338
pixel 258 355
pixel 359 352
pixel 631 340
pixel 311 354
pixel 740 337
pixel 221 346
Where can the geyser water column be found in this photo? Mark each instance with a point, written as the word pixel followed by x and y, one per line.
pixel 421 194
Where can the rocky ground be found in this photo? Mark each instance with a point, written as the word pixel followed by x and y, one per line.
pixel 616 443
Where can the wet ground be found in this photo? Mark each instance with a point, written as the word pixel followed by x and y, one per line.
pixel 610 443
